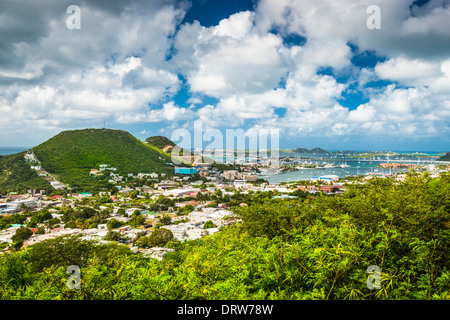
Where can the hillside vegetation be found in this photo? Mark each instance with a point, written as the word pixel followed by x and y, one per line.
pixel 71 154
pixel 314 247
pixel 159 141
pixel 17 176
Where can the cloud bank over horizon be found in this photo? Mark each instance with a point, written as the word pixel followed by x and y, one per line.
pixel 310 68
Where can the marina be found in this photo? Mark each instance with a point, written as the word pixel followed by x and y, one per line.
pixel 308 166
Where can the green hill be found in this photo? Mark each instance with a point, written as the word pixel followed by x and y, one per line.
pixel 159 142
pixel 16 175
pixel 71 155
pixel 315 150
pixel 445 158
pixel 183 156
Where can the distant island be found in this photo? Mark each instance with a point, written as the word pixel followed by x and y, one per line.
pixel 367 154
pixel 315 150
pixel 445 158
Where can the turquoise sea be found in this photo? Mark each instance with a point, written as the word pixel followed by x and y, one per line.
pixel 353 167
pixel 11 150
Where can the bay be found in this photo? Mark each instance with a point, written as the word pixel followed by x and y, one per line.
pixel 11 150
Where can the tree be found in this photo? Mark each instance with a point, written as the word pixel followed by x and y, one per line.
pixel 159 237
pixel 114 224
pixel 52 223
pixel 24 207
pixel 40 230
pixel 71 250
pixel 133 194
pixel 165 220
pixel 185 210
pixel 113 236
pixel 22 234
pixel 135 213
pixel 209 224
pixel 136 221
pixel 139 235
pixel 141 242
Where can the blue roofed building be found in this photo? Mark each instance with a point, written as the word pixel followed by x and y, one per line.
pixel 179 170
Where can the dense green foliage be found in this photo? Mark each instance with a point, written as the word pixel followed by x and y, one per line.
pixel 159 141
pixel 16 175
pixel 159 238
pixel 71 154
pixel 308 248
pixel 83 217
pixel 209 224
pixel 9 219
pixel 22 234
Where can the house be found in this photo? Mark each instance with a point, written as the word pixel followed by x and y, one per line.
pixel 166 184
pixel 94 234
pixel 30 203
pixel 177 193
pixel 230 174
pixel 56 197
pixel 130 211
pixel 179 170
pixel 249 177
pixel 132 233
pixel 84 195
pixel 145 175
pixel 57 185
pixel 104 167
pixel 95 172
pixel 5 236
pixel 156 252
pixel 327 189
pixel 195 233
pixel 178 231
pixel 328 178
pixel 187 203
pixel 240 184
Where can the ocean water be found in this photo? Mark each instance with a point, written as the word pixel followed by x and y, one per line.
pixel 11 150
pixel 355 168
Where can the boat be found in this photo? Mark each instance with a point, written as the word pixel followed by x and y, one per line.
pixel 344 165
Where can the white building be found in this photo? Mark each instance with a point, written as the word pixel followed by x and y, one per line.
pixel 57 185
pixel 176 192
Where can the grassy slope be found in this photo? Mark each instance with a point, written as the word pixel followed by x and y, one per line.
pixel 159 141
pixel 71 154
pixel 16 175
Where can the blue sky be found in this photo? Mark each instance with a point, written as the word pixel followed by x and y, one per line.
pixel 311 69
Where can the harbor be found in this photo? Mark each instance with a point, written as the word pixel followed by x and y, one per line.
pixel 307 167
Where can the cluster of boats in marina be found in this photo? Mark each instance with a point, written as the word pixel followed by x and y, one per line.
pixel 323 165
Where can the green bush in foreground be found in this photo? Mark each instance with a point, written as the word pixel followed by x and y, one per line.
pixel 316 248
